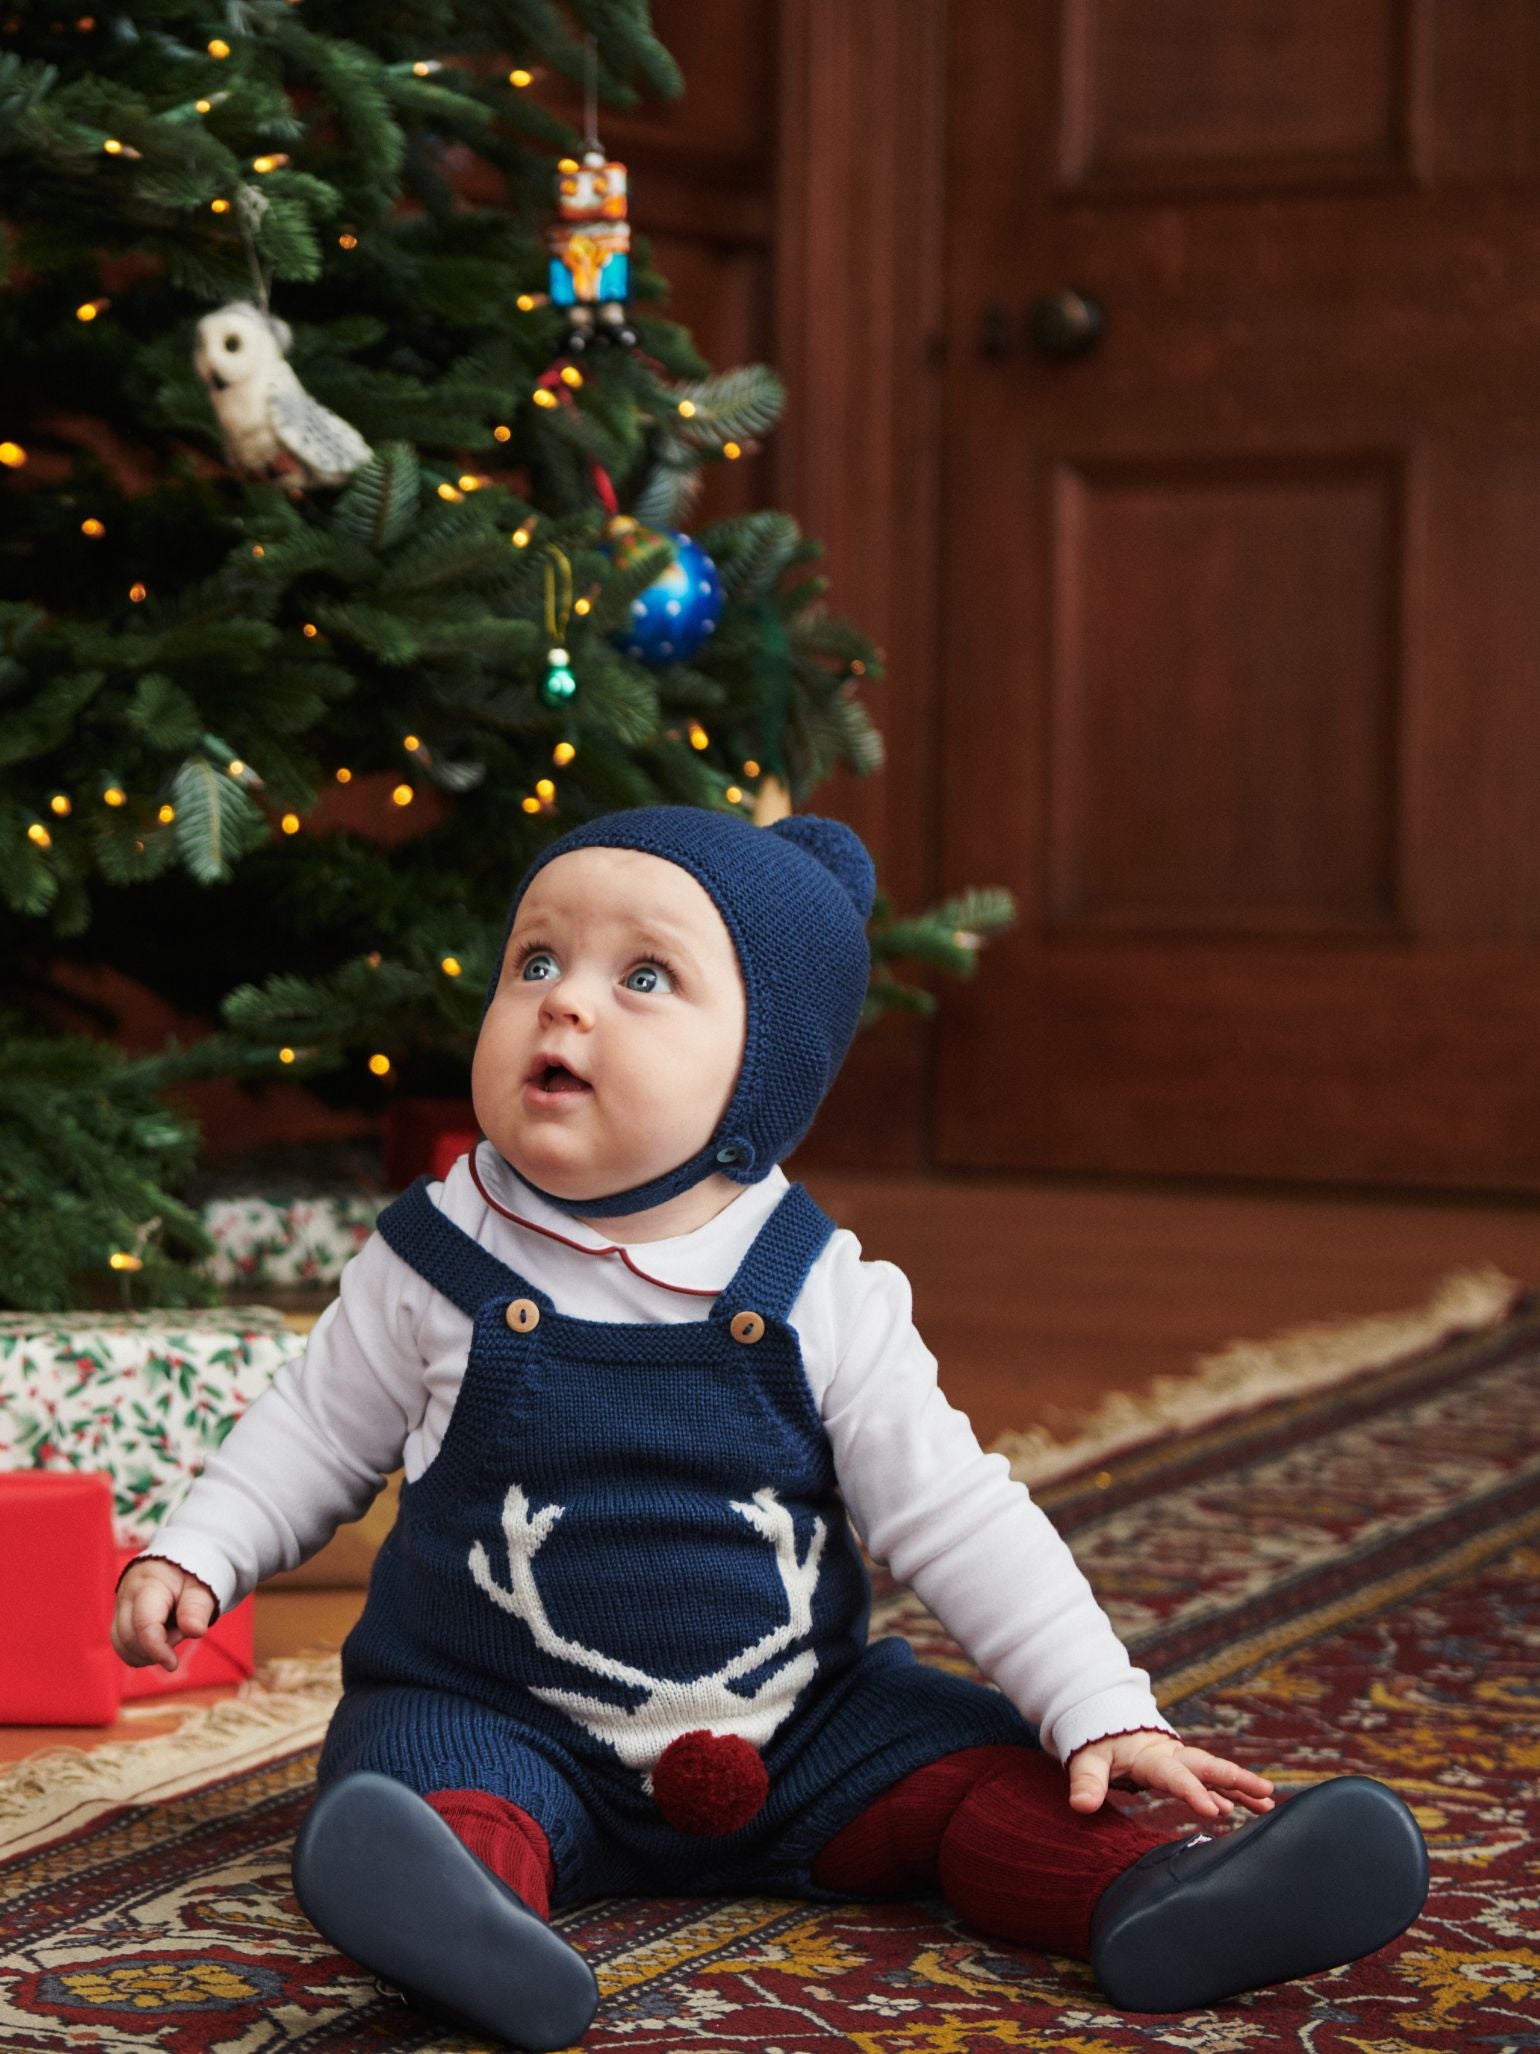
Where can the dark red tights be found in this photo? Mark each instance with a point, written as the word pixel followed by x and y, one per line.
pixel 990 1827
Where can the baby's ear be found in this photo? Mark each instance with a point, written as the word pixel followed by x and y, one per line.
pixel 840 850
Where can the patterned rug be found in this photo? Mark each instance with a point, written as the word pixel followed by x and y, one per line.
pixel 1345 1580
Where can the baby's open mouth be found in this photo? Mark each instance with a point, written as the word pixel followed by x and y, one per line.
pixel 554 1078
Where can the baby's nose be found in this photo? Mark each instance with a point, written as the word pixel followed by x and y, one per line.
pixel 567 1000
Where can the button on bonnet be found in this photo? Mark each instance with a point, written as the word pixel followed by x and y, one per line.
pixel 522 1315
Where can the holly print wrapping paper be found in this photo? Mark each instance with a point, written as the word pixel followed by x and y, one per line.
pixel 143 1396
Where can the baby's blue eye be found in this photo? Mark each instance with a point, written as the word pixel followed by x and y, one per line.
pixel 539 956
pixel 652 970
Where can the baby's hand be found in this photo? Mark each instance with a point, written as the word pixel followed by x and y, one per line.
pixel 151 1593
pixel 1159 1761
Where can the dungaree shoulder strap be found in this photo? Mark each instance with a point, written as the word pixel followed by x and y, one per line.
pixel 775 1268
pixel 448 1257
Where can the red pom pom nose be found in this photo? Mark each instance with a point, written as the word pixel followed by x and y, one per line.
pixel 708 1783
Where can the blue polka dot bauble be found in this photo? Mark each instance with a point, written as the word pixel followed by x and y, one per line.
pixel 678 611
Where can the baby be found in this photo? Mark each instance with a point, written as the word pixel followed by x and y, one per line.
pixel 642 1388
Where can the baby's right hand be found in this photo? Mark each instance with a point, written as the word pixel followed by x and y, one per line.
pixel 151 1593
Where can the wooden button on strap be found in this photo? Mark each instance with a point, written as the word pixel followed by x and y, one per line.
pixel 522 1315
pixel 746 1327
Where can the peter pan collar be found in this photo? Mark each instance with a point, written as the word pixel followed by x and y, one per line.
pixel 701 1263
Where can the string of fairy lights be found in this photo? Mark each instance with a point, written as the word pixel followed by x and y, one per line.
pixel 14 456
pixel 544 796
pixel 543 799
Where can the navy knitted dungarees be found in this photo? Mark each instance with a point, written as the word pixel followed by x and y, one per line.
pixel 630 1532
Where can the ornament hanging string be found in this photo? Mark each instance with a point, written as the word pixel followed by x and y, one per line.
pixel 557 629
pixel 560 686
pixel 250 206
pixel 591 96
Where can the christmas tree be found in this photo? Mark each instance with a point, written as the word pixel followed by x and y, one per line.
pixel 324 503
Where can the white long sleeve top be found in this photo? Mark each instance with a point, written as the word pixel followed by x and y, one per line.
pixel 377 1382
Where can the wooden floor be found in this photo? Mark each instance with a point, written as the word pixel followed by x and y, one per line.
pixel 1038 1298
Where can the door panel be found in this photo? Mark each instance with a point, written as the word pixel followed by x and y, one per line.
pixel 1230 632
pixel 1190 90
pixel 1242 668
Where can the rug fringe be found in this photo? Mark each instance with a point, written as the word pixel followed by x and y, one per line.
pixel 1246 1374
pixel 290 1696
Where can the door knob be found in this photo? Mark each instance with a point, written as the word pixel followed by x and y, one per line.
pixel 1065 324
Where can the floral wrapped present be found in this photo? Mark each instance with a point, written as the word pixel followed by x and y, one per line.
pixel 143 1396
pixel 280 1242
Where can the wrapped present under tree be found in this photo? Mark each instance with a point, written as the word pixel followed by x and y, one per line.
pixel 141 1397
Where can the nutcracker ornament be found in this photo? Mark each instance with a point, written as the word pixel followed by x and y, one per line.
pixel 590 240
pixel 590 246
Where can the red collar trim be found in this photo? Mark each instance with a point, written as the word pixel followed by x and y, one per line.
pixel 690 1290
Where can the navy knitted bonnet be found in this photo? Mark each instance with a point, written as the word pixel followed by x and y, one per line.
pixel 795 898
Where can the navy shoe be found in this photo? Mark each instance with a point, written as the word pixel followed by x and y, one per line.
pixel 387 1881
pixel 1328 1876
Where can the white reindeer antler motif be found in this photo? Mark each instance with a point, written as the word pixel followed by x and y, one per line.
pixel 640 1734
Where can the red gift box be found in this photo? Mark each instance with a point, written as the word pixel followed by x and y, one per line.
pixel 448 1149
pixel 426 1134
pixel 57 1592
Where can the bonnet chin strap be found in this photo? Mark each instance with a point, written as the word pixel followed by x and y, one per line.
pixel 729 1155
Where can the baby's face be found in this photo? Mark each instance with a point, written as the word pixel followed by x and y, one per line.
pixel 620 966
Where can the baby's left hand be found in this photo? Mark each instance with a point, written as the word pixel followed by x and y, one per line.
pixel 1159 1761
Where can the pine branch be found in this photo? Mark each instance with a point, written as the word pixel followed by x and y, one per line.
pixel 733 406
pixel 88 1156
pixel 380 503
pixel 215 821
pixel 352 81
pixel 751 553
pixel 668 496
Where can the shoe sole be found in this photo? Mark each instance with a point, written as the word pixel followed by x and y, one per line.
pixel 1328 1877
pixel 386 1880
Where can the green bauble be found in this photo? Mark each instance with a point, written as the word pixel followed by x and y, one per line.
pixel 560 686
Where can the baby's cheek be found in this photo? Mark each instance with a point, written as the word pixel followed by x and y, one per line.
pixel 493 1077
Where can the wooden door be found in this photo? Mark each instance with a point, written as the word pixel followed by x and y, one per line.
pixel 1242 606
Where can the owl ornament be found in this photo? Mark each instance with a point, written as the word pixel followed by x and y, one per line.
pixel 271 425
